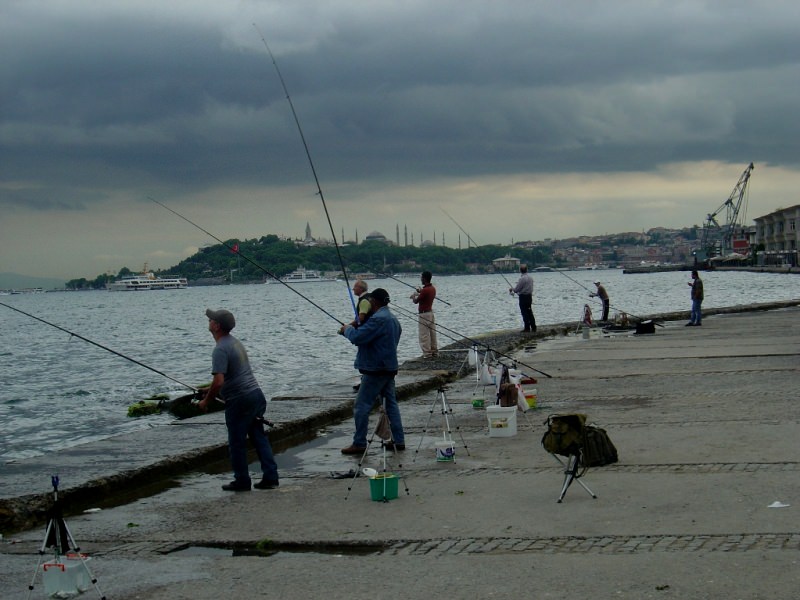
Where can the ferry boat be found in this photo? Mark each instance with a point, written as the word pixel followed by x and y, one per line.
pixel 146 280
pixel 301 275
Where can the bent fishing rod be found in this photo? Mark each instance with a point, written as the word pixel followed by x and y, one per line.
pixel 311 164
pixel 461 337
pixel 247 259
pixel 469 239
pixel 379 274
pixel 106 348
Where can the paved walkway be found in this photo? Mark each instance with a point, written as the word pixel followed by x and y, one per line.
pixel 706 424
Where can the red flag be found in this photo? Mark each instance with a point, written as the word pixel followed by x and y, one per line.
pixel 235 248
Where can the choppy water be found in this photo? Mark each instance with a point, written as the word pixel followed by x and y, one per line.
pixel 59 391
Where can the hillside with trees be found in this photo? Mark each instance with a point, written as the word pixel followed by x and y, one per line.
pixel 258 259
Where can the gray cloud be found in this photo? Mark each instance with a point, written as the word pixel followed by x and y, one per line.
pixel 183 98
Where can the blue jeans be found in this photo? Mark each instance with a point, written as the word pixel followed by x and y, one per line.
pixel 240 418
pixel 696 316
pixel 370 392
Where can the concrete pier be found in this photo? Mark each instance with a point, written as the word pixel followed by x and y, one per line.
pixel 702 504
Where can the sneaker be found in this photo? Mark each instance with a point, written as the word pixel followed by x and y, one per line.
pixel 689 324
pixel 266 484
pixel 235 486
pixel 392 446
pixel 354 450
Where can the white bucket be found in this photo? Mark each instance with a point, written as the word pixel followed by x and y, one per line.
pixel 502 420
pixel 445 451
pixel 66 576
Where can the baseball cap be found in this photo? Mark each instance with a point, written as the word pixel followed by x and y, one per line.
pixel 223 317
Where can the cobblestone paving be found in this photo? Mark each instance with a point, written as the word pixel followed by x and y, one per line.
pixel 603 544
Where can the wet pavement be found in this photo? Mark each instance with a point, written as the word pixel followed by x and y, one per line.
pixel 705 421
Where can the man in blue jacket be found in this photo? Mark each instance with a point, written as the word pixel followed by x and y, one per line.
pixel 376 360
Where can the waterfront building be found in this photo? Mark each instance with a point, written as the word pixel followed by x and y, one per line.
pixel 777 233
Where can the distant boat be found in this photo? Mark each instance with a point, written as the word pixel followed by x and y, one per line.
pixel 542 270
pixel 301 275
pixel 146 280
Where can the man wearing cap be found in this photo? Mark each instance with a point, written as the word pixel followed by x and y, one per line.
pixel 524 290
pixel 245 404
pixel 603 295
pixel 376 360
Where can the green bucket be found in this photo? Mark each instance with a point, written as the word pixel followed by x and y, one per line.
pixel 383 487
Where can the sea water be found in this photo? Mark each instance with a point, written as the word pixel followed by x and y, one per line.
pixel 57 390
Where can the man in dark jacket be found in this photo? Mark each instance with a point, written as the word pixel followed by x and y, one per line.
pixel 697 300
pixel 376 360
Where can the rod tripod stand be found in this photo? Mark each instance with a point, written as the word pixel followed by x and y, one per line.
pixel 383 429
pixel 482 375
pixel 572 472
pixel 447 414
pixel 59 539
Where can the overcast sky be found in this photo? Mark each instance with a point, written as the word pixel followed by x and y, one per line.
pixel 521 119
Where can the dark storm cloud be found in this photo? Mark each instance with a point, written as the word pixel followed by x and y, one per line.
pixel 444 89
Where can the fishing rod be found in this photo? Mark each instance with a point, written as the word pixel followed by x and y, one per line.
pixel 609 304
pixel 398 281
pixel 247 259
pixel 80 337
pixel 311 164
pixel 461 337
pixel 469 239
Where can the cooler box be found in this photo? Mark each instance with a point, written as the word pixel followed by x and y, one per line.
pixel 65 576
pixel 502 420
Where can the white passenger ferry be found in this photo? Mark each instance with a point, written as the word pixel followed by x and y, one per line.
pixel 301 275
pixel 146 280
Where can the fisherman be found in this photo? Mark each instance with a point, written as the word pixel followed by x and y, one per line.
pixel 363 309
pixel 524 290
pixel 603 295
pixel 697 300
pixel 376 360
pixel 363 306
pixel 423 297
pixel 245 404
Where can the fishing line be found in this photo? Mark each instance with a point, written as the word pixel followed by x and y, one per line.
pixel 80 337
pixel 469 239
pixel 311 164
pixel 379 274
pixel 247 259
pixel 461 337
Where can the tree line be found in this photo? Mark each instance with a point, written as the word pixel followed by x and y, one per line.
pixel 277 257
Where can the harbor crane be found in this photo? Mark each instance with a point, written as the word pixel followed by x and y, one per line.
pixel 717 239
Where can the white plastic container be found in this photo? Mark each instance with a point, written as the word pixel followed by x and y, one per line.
pixel 502 420
pixel 65 576
pixel 445 451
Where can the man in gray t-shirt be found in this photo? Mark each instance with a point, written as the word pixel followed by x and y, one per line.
pixel 245 404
